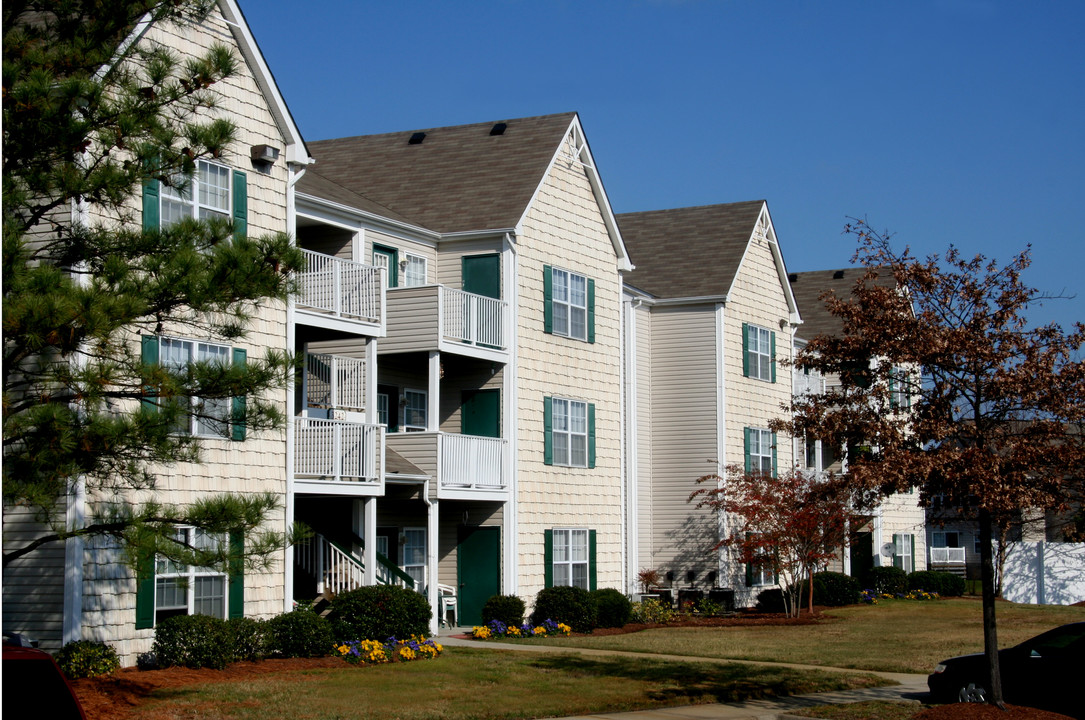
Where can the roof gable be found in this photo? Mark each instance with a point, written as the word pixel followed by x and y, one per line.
pixel 808 288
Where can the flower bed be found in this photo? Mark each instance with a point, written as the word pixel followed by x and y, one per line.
pixel 498 629
pixel 374 652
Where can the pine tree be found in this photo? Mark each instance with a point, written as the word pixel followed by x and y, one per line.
pixel 88 119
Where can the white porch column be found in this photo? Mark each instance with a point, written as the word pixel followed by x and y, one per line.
pixel 433 394
pixel 369 534
pixel 432 525
pixel 371 381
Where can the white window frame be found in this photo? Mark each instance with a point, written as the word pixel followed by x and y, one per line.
pixel 904 552
pixel 900 397
pixel 760 450
pixel 413 557
pixel 759 352
pixel 569 432
pixel 569 303
pixel 200 350
pixel 383 405
pixel 414 270
pixel 761 574
pixel 187 580
pixel 208 193
pixel 412 411
pixel 571 557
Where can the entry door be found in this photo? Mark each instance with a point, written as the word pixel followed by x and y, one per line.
pixel 388 259
pixel 862 553
pixel 478 571
pixel 482 275
pixel 480 413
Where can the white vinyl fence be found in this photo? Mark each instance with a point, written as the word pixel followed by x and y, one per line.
pixel 1045 573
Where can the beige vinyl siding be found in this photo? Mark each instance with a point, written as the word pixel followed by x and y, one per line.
pixel 900 513
pixel 329 241
pixel 413 320
pixel 684 426
pixel 564 228
pixel 450 258
pixel 34 584
pixel 456 383
pixel 352 347
pixel 420 448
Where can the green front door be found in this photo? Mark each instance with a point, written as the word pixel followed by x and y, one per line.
pixel 482 275
pixel 480 413
pixel 387 258
pixel 478 570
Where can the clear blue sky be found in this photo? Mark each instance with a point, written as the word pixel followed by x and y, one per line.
pixel 945 121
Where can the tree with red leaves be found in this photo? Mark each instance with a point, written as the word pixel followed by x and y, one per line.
pixel 789 525
pixel 995 407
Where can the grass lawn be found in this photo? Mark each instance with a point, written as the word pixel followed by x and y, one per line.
pixel 470 683
pixel 893 636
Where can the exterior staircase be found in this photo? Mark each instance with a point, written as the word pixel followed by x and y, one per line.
pixel 337 570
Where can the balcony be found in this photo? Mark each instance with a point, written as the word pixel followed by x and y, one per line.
pixel 334 382
pixel 813 384
pixel 341 294
pixel 947 556
pixel 466 466
pixel 435 317
pixel 337 456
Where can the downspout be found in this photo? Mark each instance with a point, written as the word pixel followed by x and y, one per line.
pixel 295 174
pixel 630 467
pixel 432 529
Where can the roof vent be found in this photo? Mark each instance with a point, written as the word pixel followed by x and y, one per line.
pixel 417 138
pixel 498 128
pixel 792 277
pixel 838 275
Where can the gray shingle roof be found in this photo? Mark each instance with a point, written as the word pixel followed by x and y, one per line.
pixel 457 179
pixel 688 252
pixel 807 287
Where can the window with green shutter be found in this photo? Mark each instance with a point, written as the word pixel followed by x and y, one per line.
pixel 569 557
pixel 758 353
pixel 569 428
pixel 568 304
pixel 213 191
pixel 759 449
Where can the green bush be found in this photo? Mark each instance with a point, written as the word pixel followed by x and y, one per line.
pixel 378 612
pixel 891 580
pixel 614 608
pixel 771 601
pixel 249 636
pixel 651 610
pixel 87 658
pixel 570 605
pixel 831 589
pixel 301 633
pixel 933 581
pixel 508 609
pixel 193 641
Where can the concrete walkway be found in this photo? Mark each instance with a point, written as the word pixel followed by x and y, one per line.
pixel 911 688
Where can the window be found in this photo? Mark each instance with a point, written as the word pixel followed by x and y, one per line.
pixel 810 446
pixel 414 271
pixel 414 555
pixel 570 557
pixel 760 446
pixel 899 389
pixel 570 432
pixel 904 552
pixel 947 538
pixel 414 411
pixel 758 353
pixel 209 417
pixel 382 408
pixel 167 588
pixel 759 573
pixel 213 191
pixel 569 304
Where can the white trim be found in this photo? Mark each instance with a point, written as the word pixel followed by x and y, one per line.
pixel 630 529
pixel 722 563
pixel 510 392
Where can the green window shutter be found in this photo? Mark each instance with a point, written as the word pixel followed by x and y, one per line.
pixel 912 538
pixel 151 210
pixel 592 575
pixel 241 205
pixel 897 560
pixel 746 449
pixel 591 310
pixel 149 356
pixel 548 558
pixel 236 599
pixel 237 414
pixel 746 351
pixel 548 432
pixel 548 300
pixel 591 436
pixel 772 354
pixel 775 472
pixel 145 593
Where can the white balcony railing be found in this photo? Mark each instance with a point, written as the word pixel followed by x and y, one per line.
pixel 342 288
pixel 335 381
pixel 947 556
pixel 338 571
pixel 812 384
pixel 474 319
pixel 468 461
pixel 335 449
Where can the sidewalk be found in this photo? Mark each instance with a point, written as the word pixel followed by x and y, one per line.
pixel 912 688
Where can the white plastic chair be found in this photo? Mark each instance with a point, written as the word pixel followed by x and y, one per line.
pixel 447 597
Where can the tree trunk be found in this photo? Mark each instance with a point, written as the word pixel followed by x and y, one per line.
pixel 811 576
pixel 990 634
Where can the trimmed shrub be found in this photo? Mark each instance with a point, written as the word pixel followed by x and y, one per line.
pixel 570 605
pixel 614 608
pixel 249 635
pixel 771 601
pixel 509 609
pixel 891 580
pixel 378 612
pixel 831 589
pixel 87 658
pixel 651 610
pixel 933 581
pixel 301 633
pixel 193 641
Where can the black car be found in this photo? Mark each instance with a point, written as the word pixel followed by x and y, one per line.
pixel 1043 672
